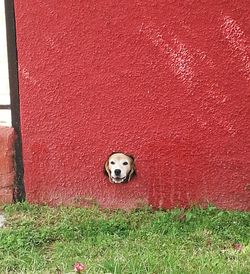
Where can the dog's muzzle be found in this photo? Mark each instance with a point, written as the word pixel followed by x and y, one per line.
pixel 118 179
pixel 117 172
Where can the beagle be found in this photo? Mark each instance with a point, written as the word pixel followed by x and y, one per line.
pixel 119 167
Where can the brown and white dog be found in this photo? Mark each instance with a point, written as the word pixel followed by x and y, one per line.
pixel 119 167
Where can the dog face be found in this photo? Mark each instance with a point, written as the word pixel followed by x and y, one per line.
pixel 120 167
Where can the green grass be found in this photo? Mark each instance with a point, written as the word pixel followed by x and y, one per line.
pixel 40 239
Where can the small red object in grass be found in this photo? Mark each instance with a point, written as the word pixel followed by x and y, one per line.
pixel 237 246
pixel 182 217
pixel 79 267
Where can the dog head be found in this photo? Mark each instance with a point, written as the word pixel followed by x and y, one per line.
pixel 120 167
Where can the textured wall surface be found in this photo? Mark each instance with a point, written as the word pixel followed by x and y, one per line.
pixel 7 172
pixel 167 81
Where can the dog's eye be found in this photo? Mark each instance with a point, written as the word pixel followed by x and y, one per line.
pixel 125 163
pixel 112 162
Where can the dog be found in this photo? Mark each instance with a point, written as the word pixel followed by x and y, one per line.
pixel 119 167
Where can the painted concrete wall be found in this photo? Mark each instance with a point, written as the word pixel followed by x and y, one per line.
pixel 7 172
pixel 167 81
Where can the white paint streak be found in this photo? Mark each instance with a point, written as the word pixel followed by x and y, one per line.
pixel 182 60
pixel 26 75
pixel 237 41
pixel 179 58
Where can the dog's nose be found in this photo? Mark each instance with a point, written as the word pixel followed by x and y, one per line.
pixel 117 172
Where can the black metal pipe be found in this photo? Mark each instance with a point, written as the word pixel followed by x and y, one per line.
pixel 19 193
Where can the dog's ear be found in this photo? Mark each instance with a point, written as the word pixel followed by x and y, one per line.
pixel 106 170
pixel 132 172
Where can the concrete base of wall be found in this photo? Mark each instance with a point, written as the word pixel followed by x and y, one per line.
pixel 7 171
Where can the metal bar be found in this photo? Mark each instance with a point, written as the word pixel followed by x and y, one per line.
pixel 19 194
pixel 4 106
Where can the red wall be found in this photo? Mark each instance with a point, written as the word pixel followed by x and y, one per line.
pixel 7 172
pixel 167 81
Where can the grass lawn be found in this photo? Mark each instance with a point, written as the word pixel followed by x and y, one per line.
pixel 40 239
